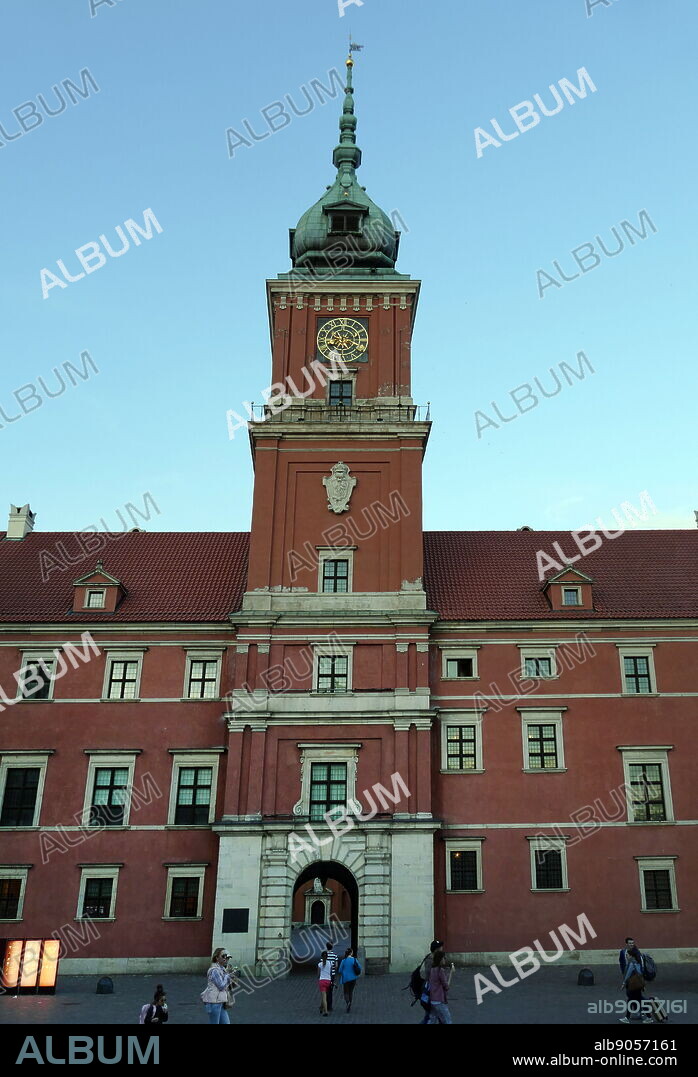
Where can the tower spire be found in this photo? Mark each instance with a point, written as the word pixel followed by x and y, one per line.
pixel 347 155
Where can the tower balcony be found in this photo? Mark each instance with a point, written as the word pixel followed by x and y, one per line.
pixel 335 414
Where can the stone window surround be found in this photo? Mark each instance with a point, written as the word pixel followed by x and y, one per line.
pixel 571 587
pixel 94 591
pixel 642 650
pixel 98 871
pixel 542 841
pixel 657 863
pixel 459 718
pixel 37 654
pixel 454 651
pixel 455 845
pixel 21 872
pixel 648 754
pixel 122 654
pixel 336 553
pixel 203 655
pixel 543 716
pixel 21 758
pixel 186 871
pixel 337 648
pixel 545 651
pixel 325 752
pixel 99 758
pixel 193 757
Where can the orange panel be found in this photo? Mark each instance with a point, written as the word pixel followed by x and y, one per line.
pixel 30 962
pixel 49 963
pixel 10 968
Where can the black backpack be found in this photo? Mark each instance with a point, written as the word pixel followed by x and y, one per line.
pixel 649 969
pixel 416 984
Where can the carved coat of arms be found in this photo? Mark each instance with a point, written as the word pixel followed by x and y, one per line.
pixel 339 486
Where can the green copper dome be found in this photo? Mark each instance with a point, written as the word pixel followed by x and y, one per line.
pixel 345 234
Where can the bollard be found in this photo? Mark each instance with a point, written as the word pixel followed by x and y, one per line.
pixel 585 978
pixel 105 986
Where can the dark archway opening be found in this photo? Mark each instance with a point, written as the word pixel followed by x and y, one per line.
pixel 309 937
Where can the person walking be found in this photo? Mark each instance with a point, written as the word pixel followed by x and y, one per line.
pixel 334 961
pixel 634 984
pixel 439 984
pixel 424 970
pixel 348 973
pixel 623 954
pixel 155 1012
pixel 216 993
pixel 324 980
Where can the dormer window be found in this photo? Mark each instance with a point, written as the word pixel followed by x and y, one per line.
pixel 345 222
pixel 94 600
pixel 571 596
pixel 569 589
pixel 97 590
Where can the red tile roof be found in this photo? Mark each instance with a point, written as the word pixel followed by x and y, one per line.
pixel 470 575
pixel 168 576
pixel 493 575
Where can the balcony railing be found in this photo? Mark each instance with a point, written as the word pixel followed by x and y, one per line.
pixel 341 413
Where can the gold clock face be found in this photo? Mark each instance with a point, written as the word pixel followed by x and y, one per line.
pixel 345 337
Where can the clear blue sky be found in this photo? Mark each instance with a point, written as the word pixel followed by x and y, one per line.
pixel 178 328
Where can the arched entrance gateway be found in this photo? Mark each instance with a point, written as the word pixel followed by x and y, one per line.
pixel 325 905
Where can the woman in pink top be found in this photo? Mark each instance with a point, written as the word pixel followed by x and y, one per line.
pixel 439 984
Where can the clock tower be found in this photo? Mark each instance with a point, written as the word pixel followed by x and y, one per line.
pixel 331 678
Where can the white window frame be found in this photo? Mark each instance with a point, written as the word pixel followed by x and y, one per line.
pixel 461 718
pixel 38 655
pixel 9 760
pixel 336 553
pixel 571 587
pixel 186 871
pixel 643 650
pixel 338 649
pixel 182 760
pixel 451 654
pixel 15 871
pixel 122 656
pixel 548 651
pixel 202 656
pixel 95 591
pixel 545 843
pixel 456 845
pixel 98 760
pixel 658 863
pixel 97 871
pixel 660 757
pixel 543 716
pixel 318 752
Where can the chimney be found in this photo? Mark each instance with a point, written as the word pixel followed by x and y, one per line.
pixel 20 523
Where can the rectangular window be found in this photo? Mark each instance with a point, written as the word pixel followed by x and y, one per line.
pixel 184 900
pixel 19 800
pixel 548 866
pixel 657 889
pixel 333 673
pixel 541 747
pixel 461 747
pixel 43 671
pixel 459 667
pixel 203 676
pixel 335 577
pixel 96 903
pixel 570 596
pixel 109 796
pixel 328 788
pixel 193 796
pixel 341 393
pixel 647 792
pixel 95 600
pixel 345 222
pixel 637 674
pixel 464 869
pixel 10 890
pixel 123 677
pixel 538 667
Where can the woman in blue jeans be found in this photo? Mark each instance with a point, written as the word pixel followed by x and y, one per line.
pixel 217 988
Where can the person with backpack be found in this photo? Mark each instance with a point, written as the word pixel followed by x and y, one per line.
pixel 155 1012
pixel 419 982
pixel 349 971
pixel 634 984
pixel 334 961
pixel 439 984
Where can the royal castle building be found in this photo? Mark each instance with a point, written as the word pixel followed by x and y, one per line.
pixel 219 739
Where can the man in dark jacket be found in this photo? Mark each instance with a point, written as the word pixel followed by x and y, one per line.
pixel 623 954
